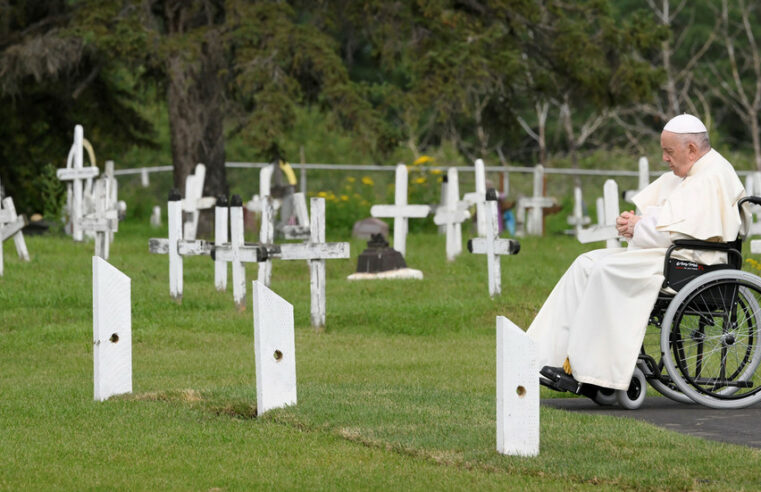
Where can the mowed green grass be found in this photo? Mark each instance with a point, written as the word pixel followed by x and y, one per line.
pixel 397 392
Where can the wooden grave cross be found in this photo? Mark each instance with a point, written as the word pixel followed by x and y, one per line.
pixel 535 205
pixel 478 197
pixel 606 229
pixel 78 177
pixel 194 200
pixel 578 220
pixel 10 226
pixel 452 215
pixel 104 221
pixel 643 179
pixel 400 210
pixel 492 246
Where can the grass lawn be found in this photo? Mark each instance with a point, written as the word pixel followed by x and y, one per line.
pixel 399 391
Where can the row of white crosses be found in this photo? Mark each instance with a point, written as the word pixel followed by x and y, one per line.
pixel 492 245
pixel 607 212
pixel 534 206
pixel 400 211
pixel 10 227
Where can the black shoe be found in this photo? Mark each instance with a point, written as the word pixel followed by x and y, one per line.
pixel 559 379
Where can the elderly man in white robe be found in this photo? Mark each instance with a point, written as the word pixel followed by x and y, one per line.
pixel 590 329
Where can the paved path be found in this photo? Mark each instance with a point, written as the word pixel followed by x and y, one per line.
pixel 733 426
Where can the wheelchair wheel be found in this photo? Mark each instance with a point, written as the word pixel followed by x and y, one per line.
pixel 710 339
pixel 633 397
pixel 605 397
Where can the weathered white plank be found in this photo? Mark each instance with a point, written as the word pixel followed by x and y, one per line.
pixel 309 251
pixel 452 216
pixel 480 174
pixel 274 349
pixel 220 238
pixel 10 229
pixel 236 241
pixel 597 233
pixel 517 391
pixel 112 331
pixel 406 211
pixel 174 219
pixel 502 247
pixel 317 265
pixel 266 236
pixel 66 174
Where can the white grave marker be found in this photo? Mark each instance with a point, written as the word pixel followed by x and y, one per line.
pixel 156 217
pixel 535 205
pixel 517 391
pixel 112 330
pixel 492 246
pixel 452 215
pixel 103 221
pixel 643 179
pixel 220 238
pixel 10 227
pixel 194 200
pixel 79 176
pixel 478 198
pixel 266 236
pixel 400 210
pixel 606 231
pixel 578 220
pixel 274 349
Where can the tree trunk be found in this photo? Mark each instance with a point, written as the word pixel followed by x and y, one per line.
pixel 196 121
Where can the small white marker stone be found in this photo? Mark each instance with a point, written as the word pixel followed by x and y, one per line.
pixel 517 391
pixel 112 330
pixel 274 349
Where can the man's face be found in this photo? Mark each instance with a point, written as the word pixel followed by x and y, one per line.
pixel 677 154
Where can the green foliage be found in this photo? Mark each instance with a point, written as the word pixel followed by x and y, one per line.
pixel 52 192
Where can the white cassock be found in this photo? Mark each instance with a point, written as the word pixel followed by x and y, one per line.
pixel 598 312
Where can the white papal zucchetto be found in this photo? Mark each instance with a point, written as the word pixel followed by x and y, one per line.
pixel 685 123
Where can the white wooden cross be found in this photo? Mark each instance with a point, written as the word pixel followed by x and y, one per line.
pixel 221 212
pixel 78 177
pixel 752 188
pixel 578 220
pixel 266 236
pixel 10 226
pixel 605 230
pixel 492 246
pixel 643 181
pixel 517 391
pixel 478 198
pixel 194 200
pixel 103 222
pixel 274 350
pixel 112 330
pixel 535 205
pixel 300 230
pixel 452 215
pixel 400 210
pixel 175 246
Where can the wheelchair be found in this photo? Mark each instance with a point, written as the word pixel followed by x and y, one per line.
pixel 702 344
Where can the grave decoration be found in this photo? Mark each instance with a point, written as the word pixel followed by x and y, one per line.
pixel 381 261
pixel 530 210
pixel 112 330
pixel 194 201
pixel 367 228
pixel 643 179
pixel 607 212
pixel 175 246
pixel 517 391
pixel 578 220
pixel 492 246
pixel 11 225
pixel 79 183
pixel 400 210
pixel 452 215
pixel 478 198
pixel 274 350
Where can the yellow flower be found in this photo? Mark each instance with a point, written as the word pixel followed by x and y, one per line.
pixel 422 160
pixel 419 180
pixel 436 171
pixel 344 198
pixel 322 194
pixel 351 179
pixel 367 180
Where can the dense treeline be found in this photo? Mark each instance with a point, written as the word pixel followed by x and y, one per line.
pixel 516 80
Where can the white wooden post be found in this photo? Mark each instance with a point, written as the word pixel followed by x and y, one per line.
pixel 76 174
pixel 517 391
pixel 443 200
pixel 400 211
pixel 174 221
pixel 480 197
pixel 266 236
pixel 452 215
pixel 536 204
pixel 112 330
pixel 274 350
pixel 492 246
pixel 145 181
pixel 10 226
pixel 606 231
pixel 220 237
pixel 578 219
pixel 236 243
pixel 156 216
pixel 643 179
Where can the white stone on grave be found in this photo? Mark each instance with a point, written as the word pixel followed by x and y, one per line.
pixel 145 180
pixel 534 206
pixel 274 350
pixel 578 220
pixel 79 178
pixel 517 391
pixel 400 210
pixel 492 246
pixel 605 231
pixel 156 216
pixel 112 330
pixel 452 215
pixel 642 181
pixel 194 200
pixel 175 246
pixel 478 198
pixel 11 225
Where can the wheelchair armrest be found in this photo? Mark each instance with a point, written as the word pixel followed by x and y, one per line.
pixel 734 256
